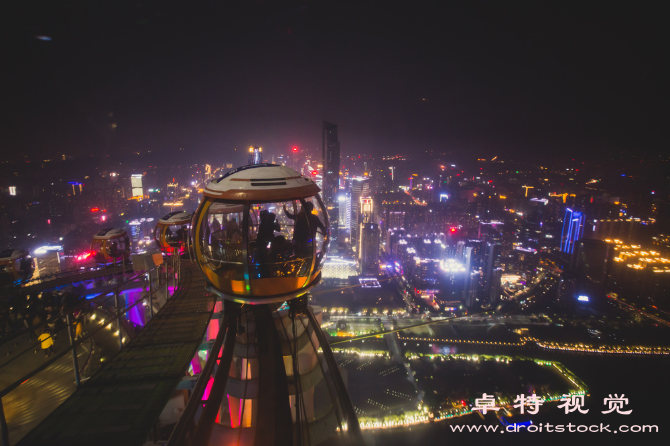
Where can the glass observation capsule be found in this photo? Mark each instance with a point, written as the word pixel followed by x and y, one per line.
pixel 172 231
pixel 110 245
pixel 261 234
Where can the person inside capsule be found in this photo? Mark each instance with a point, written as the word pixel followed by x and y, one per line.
pixel 267 228
pixel 305 228
pixel 233 233
pixel 181 233
pixel 114 250
pixel 264 238
pixel 169 235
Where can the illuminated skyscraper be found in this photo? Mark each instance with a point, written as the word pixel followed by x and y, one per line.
pixel 573 229
pixel 344 199
pixel 367 210
pixel 136 185
pixel 360 187
pixel 255 155
pixel 331 176
pixel 173 191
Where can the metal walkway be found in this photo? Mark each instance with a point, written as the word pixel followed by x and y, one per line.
pixel 121 403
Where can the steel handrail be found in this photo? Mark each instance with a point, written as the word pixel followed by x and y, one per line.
pixel 100 305
pixel 80 306
pixel 4 429
pixel 77 343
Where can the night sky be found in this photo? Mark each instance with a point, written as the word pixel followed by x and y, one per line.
pixel 518 79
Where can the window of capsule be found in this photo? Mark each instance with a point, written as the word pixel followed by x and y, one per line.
pixel 285 241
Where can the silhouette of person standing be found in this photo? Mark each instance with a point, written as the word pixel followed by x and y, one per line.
pixel 304 230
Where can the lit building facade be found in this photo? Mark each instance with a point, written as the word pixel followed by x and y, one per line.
pixel 136 185
pixel 573 229
pixel 255 155
pixel 338 268
pixel 360 188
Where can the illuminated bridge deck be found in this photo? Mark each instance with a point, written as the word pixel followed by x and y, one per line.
pixel 121 403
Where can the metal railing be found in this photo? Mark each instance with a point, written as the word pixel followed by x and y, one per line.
pixel 156 280
pixel 94 270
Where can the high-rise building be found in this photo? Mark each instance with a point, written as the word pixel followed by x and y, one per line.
pixel 460 249
pixel 368 253
pixel 468 289
pixel 331 176
pixel 394 239
pixel 566 294
pixel 593 264
pixel 135 232
pixel 173 191
pixel 136 185
pixel 367 210
pixel 360 188
pixel 492 271
pixel 345 210
pixel 593 259
pixel 395 220
pixel 573 229
pixel 254 155
pixel 494 288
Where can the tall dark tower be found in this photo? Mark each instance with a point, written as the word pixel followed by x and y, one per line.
pixel 368 251
pixel 593 265
pixel 331 176
pixel 492 271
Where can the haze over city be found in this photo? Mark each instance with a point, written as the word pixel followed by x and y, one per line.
pixel 521 78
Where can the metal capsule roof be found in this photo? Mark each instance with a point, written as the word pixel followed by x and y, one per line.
pixel 108 233
pixel 176 218
pixel 261 183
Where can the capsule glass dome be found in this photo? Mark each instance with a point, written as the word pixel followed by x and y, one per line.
pixel 171 233
pixel 261 234
pixel 110 245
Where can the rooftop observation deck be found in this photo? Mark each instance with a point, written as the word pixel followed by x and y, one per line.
pixel 121 403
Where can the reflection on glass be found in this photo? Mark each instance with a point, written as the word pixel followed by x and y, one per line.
pixel 281 243
pixel 221 242
pixel 175 235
